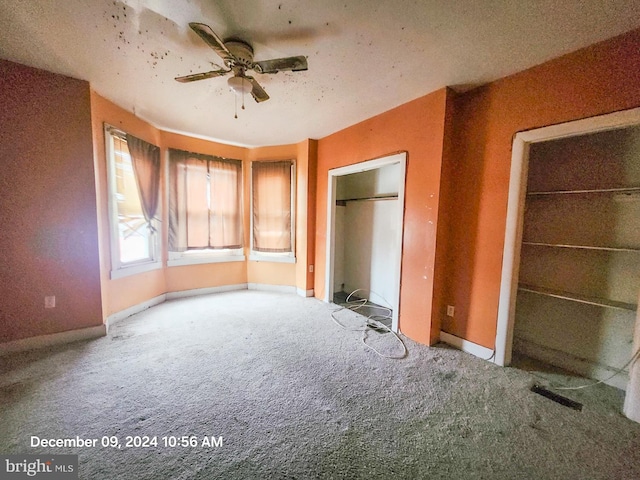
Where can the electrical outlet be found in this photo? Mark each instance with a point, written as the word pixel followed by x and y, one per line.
pixel 310 268
pixel 50 301
pixel 450 310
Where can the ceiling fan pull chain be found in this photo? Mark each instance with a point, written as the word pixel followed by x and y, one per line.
pixel 235 101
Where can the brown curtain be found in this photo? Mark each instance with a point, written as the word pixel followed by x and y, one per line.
pixel 145 159
pixel 204 202
pixel 271 184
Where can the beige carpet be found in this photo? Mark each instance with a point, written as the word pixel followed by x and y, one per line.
pixel 294 396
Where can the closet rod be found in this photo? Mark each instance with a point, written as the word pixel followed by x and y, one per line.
pixel 367 199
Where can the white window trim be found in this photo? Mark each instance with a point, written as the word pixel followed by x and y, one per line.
pixel 118 268
pixel 196 257
pixel 277 257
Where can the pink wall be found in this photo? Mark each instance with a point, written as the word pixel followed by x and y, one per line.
pixel 49 236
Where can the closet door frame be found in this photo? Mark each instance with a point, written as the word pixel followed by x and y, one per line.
pixel 401 158
pixel 515 211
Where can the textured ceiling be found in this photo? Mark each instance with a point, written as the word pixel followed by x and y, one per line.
pixel 364 56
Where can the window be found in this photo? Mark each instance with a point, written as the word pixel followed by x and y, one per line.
pixel 133 200
pixel 205 212
pixel 272 212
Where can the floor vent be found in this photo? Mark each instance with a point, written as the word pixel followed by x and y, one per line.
pixel 567 402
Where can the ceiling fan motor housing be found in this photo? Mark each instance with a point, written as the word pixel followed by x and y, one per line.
pixel 242 51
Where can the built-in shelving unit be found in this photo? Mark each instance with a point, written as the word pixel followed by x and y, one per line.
pixel 580 255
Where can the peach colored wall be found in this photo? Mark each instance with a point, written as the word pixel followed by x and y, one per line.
pixel 49 236
pixel 288 274
pixel 417 128
pixel 206 275
pixel 267 272
pixel 121 293
pixel 271 273
pixel 213 274
pixel 599 79
pixel 306 221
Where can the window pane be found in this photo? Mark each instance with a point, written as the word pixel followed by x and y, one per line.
pixel 133 233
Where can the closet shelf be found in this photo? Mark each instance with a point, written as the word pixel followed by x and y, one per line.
pixel 593 190
pixel 574 297
pixel 583 247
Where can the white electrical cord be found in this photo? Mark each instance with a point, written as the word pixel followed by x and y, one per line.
pixel 617 372
pixel 371 321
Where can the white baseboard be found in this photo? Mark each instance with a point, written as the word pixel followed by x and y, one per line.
pixel 271 288
pixel 127 312
pixel 581 366
pixel 466 346
pixel 53 339
pixel 206 291
pixel 305 293
pixel 41 341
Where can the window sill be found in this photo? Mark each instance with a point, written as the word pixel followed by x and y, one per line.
pixel 201 259
pixel 127 271
pixel 271 257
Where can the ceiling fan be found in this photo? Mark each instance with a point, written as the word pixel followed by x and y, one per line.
pixel 238 58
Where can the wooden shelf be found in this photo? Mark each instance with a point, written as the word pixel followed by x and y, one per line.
pixel 574 297
pixel 593 190
pixel 583 247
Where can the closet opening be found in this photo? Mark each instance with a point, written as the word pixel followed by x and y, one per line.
pixel 365 215
pixel 571 264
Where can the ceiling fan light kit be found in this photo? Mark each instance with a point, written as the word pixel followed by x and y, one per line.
pixel 239 85
pixel 238 58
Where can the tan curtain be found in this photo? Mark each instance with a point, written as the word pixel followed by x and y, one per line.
pixel 225 215
pixel 271 184
pixel 197 209
pixel 177 200
pixel 204 202
pixel 145 159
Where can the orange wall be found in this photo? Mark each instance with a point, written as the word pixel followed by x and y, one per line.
pixel 288 274
pixel 599 79
pixel 306 221
pixel 417 128
pixel 49 236
pixel 190 277
pixel 266 272
pixel 459 150
pixel 121 293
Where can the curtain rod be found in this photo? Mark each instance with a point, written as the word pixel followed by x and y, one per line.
pixel 115 131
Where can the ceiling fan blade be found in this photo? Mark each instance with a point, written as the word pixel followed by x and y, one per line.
pixel 257 92
pixel 295 64
pixel 211 39
pixel 201 76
